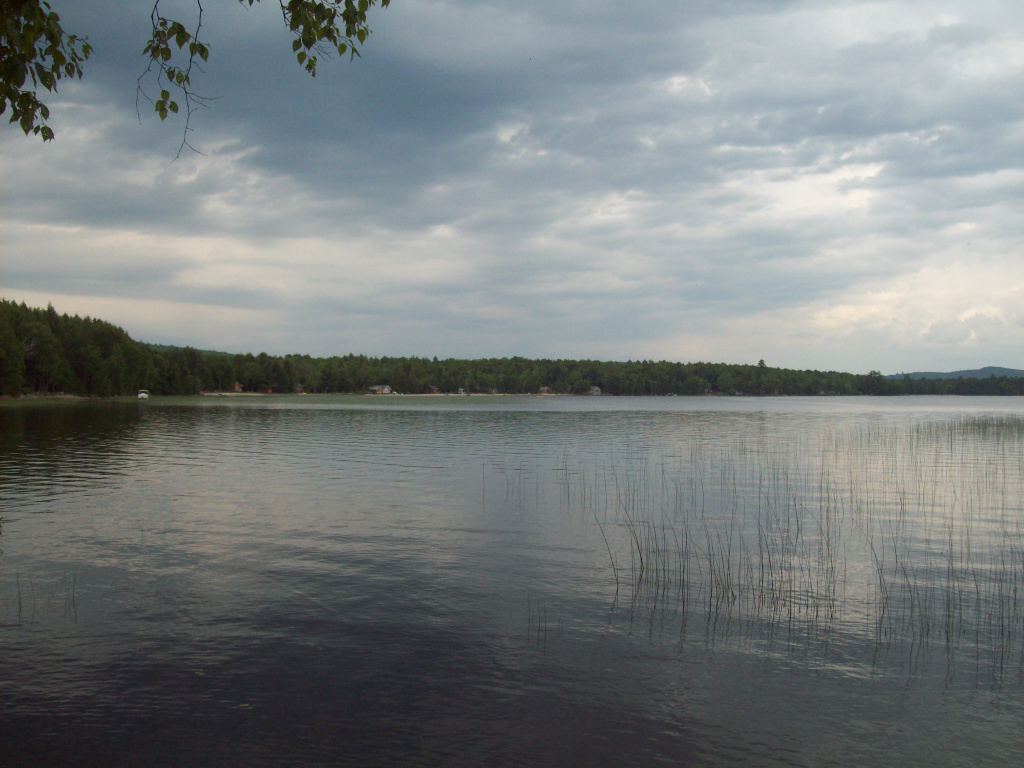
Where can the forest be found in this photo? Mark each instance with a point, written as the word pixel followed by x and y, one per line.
pixel 42 351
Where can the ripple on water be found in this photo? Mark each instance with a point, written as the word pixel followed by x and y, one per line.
pixel 511 582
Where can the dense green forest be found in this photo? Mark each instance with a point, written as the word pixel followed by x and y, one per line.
pixel 42 351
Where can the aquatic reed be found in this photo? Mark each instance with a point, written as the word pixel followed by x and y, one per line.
pixel 909 539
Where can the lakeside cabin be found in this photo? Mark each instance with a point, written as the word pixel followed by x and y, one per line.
pixel 380 389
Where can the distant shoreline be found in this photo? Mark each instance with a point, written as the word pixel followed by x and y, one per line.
pixel 50 396
pixel 92 358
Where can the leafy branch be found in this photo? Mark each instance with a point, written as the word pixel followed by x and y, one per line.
pixel 34 48
pixel 169 74
pixel 319 28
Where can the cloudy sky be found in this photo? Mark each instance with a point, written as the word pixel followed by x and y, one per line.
pixel 831 185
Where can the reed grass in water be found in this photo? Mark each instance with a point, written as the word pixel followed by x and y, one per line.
pixel 907 541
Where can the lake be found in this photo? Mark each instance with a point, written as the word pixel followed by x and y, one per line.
pixel 464 581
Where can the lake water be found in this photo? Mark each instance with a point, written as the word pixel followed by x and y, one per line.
pixel 512 581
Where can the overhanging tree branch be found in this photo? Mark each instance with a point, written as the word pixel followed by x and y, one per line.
pixel 167 74
pixel 36 53
pixel 34 48
pixel 319 28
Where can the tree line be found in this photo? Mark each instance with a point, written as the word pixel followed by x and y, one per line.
pixel 42 351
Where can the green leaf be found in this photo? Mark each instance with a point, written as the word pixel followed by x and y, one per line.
pixel 181 36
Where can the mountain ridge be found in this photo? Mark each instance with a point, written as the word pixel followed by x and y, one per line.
pixel 976 373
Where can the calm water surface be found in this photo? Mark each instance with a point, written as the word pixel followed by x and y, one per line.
pixel 512 581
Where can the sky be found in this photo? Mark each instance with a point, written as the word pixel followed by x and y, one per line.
pixel 826 185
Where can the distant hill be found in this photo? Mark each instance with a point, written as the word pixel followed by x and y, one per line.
pixel 978 373
pixel 174 348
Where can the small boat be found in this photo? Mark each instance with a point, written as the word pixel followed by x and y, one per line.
pixel 143 394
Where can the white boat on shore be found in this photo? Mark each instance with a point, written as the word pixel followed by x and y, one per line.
pixel 143 394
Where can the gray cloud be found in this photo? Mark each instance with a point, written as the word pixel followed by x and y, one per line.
pixel 570 180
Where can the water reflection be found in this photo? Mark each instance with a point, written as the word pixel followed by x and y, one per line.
pixel 197 583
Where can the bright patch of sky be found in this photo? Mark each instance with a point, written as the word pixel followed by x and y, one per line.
pixel 831 185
